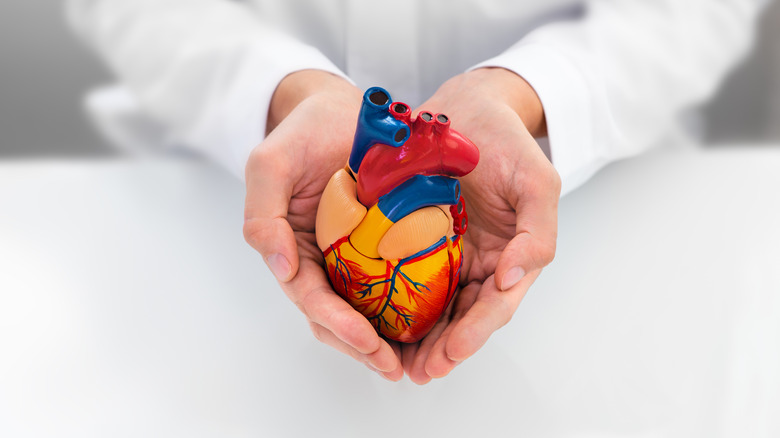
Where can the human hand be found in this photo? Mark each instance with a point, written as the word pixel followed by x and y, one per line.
pixel 311 121
pixel 512 203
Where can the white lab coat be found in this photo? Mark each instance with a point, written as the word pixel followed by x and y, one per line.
pixel 613 76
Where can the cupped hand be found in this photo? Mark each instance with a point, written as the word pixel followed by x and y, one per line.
pixel 511 201
pixel 311 126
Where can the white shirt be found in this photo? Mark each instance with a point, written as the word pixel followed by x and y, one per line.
pixel 613 76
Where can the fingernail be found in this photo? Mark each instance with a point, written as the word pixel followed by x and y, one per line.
pixel 512 277
pixel 380 373
pixel 279 266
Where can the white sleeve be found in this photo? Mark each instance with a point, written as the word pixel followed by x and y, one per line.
pixel 615 81
pixel 205 69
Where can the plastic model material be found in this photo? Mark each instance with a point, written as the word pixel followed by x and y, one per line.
pixel 390 223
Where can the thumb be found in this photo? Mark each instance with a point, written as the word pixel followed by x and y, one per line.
pixel 266 229
pixel 523 254
pixel 536 230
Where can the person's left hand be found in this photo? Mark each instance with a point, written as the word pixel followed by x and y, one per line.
pixel 512 205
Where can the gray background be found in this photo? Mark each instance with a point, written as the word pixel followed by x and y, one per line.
pixel 45 71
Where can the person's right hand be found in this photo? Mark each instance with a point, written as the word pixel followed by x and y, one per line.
pixel 311 125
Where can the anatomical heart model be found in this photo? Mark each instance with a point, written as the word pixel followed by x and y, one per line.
pixel 390 223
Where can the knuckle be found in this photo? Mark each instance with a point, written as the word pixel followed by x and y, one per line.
pixel 317 331
pixel 547 253
pixel 348 324
pixel 259 154
pixel 311 304
pixel 505 312
pixel 257 231
pixel 250 230
pixel 267 159
pixel 258 157
pixel 302 302
pixel 554 181
pixel 502 312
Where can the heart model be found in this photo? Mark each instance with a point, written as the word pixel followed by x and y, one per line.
pixel 390 223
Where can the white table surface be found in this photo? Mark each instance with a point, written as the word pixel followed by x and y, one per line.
pixel 130 306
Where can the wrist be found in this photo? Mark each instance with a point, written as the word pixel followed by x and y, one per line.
pixel 297 87
pixel 517 93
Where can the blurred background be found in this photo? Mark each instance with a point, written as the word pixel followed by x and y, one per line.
pixel 130 304
pixel 45 72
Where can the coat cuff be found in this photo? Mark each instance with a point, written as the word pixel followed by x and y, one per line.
pixel 568 107
pixel 238 122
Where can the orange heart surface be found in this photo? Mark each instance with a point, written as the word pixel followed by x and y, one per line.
pixel 390 223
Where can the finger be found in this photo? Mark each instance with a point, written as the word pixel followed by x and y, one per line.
pixel 311 292
pixel 408 352
pixel 394 376
pixel 418 372
pixel 383 361
pixel 396 346
pixel 523 254
pixel 398 374
pixel 491 310
pixel 342 326
pixel 536 231
pixel 436 364
pixel 269 190
pixel 415 365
